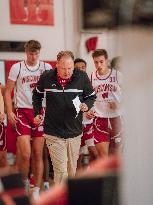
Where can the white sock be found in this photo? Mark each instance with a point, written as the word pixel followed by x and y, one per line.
pixel 26 184
pixel 35 193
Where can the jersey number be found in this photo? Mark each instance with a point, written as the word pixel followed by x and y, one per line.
pixel 112 79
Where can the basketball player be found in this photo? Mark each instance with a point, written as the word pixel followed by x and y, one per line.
pixel 3 153
pixel 116 63
pixel 22 78
pixel 107 121
pixel 87 140
pixel 80 64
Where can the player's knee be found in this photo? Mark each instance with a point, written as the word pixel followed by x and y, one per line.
pixel 25 157
pixel 3 161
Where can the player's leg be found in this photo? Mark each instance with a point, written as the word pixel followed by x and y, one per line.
pixel 23 130
pixel 24 152
pixel 3 158
pixel 116 132
pixel 3 152
pixel 93 153
pixel 23 157
pixel 101 136
pixel 37 162
pixel 102 149
pixel 81 152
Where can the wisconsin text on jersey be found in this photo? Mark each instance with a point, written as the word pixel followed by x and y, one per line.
pixel 27 79
pixel 32 78
pixel 105 87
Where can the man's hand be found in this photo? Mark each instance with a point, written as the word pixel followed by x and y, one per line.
pixel 90 114
pixel 12 118
pixel 38 119
pixel 83 107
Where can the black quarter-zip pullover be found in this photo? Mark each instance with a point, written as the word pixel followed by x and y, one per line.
pixel 61 118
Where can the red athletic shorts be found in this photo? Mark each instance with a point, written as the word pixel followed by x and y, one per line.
pixel 107 130
pixel 87 138
pixel 2 137
pixel 25 123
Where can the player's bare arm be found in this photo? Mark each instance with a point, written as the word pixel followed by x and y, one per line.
pixel 8 100
pixel 1 107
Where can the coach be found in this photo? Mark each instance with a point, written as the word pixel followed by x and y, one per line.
pixel 69 93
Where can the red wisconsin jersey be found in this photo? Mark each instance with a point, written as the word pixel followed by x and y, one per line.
pixel 108 89
pixel 26 78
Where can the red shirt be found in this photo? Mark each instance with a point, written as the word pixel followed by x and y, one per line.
pixel 63 82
